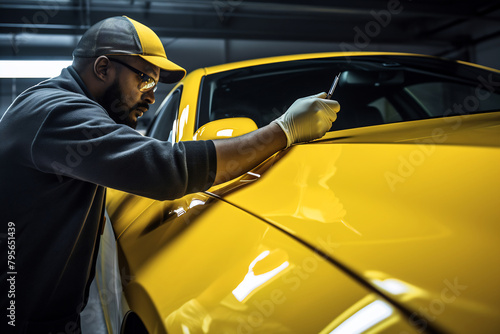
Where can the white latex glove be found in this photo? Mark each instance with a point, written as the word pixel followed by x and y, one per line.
pixel 308 118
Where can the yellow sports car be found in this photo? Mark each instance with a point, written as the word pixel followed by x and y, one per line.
pixel 390 223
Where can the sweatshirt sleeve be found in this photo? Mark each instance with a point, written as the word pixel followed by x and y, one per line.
pixel 77 139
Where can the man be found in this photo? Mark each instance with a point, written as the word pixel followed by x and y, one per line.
pixel 66 139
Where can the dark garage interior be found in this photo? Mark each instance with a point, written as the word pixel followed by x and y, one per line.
pixel 199 33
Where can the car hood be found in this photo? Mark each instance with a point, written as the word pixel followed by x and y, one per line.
pixel 412 209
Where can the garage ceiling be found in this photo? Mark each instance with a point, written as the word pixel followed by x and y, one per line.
pixel 444 24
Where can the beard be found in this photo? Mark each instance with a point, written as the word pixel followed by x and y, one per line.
pixel 115 103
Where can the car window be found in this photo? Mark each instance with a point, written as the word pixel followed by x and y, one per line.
pixel 371 91
pixel 443 98
pixel 162 126
pixel 387 110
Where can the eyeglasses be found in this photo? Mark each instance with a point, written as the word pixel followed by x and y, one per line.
pixel 147 83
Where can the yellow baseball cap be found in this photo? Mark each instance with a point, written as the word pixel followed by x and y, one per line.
pixel 120 35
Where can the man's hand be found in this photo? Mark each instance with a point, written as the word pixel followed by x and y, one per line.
pixel 308 118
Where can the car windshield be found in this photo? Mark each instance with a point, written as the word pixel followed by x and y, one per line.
pixel 372 90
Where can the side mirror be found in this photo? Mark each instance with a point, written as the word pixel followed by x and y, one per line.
pixel 225 128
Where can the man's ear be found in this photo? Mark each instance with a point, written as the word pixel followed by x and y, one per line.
pixel 102 68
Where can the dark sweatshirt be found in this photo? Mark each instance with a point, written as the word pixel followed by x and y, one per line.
pixel 59 149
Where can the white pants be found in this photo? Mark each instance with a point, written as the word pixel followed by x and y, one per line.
pixel 105 307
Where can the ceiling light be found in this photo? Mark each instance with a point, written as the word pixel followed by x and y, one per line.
pixel 32 68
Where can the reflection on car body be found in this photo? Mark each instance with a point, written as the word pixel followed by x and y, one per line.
pixel 387 224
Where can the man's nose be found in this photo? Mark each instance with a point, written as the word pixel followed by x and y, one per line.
pixel 149 97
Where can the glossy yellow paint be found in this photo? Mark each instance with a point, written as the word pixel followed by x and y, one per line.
pixel 400 206
pixel 184 129
pixel 419 212
pixel 225 128
pixel 200 265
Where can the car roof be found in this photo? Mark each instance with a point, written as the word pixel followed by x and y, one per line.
pixel 279 59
